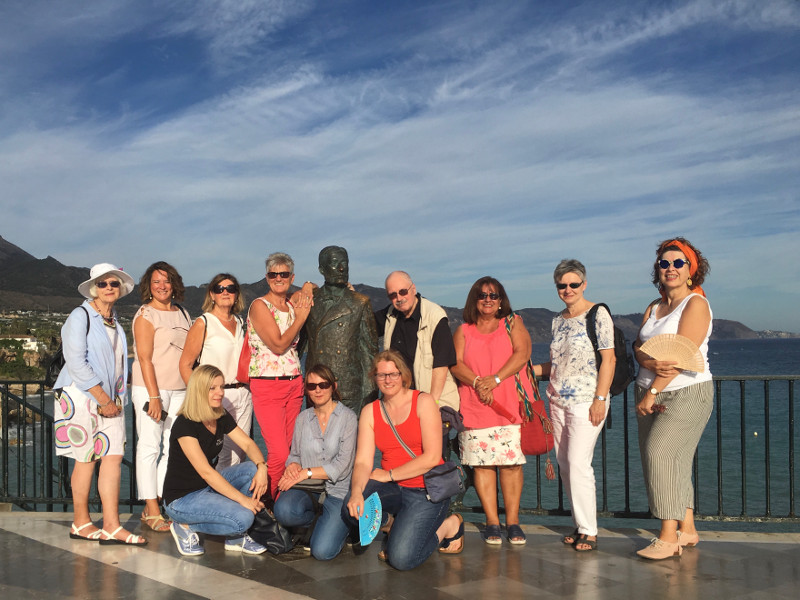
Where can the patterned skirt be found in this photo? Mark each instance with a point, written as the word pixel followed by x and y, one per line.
pixel 80 432
pixel 491 447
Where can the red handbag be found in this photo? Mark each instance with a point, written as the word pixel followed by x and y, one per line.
pixel 243 370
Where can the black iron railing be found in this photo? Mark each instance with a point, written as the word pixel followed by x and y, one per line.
pixel 744 468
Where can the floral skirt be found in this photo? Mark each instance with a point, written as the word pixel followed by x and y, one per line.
pixel 80 432
pixel 491 446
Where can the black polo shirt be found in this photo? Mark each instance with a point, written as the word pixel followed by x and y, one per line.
pixel 404 337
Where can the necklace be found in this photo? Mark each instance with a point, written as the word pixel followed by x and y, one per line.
pixel 109 320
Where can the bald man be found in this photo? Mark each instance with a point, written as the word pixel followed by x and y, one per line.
pixel 418 329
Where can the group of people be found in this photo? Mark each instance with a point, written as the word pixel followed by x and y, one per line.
pixel 195 386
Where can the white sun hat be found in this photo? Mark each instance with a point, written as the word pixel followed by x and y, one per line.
pixel 102 269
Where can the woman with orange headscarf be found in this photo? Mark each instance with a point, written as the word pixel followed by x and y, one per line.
pixel 673 405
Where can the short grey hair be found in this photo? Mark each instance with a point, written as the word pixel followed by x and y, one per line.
pixel 279 258
pixel 569 265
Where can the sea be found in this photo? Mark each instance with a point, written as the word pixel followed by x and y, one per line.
pixel 744 463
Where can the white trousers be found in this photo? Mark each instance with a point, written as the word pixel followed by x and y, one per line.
pixel 239 403
pixel 575 438
pixel 152 444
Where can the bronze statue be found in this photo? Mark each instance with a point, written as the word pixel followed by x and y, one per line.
pixel 341 330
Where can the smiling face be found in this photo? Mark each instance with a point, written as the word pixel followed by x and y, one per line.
pixel 487 305
pixel 161 287
pixel 224 299
pixel 388 378
pixel 108 294
pixel 395 284
pixel 671 278
pixel 216 392
pixel 279 284
pixel 571 295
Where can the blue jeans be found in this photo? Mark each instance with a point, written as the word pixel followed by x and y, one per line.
pixel 413 537
pixel 294 508
pixel 208 511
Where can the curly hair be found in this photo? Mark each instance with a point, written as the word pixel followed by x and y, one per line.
pixel 698 268
pixel 172 274
pixel 471 306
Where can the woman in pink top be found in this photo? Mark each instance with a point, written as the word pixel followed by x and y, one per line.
pixel 488 358
pixel 276 383
pixel 159 332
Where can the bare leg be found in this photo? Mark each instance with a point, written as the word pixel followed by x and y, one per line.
pixel 687 525
pixel 81 481
pixel 151 507
pixel 511 484
pixel 485 482
pixel 448 529
pixel 669 531
pixel 108 487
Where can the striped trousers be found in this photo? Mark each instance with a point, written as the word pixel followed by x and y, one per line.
pixel 667 444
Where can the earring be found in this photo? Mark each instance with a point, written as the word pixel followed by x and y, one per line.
pixel 151 296
pixel 689 282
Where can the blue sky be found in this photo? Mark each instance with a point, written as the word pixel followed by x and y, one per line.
pixel 449 139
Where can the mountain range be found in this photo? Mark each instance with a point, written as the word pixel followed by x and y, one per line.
pixel 30 283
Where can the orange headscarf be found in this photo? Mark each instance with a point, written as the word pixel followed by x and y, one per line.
pixel 691 256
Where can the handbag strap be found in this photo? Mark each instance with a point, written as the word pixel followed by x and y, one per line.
pixel 394 431
pixel 527 408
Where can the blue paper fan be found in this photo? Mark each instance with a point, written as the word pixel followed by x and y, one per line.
pixel 369 523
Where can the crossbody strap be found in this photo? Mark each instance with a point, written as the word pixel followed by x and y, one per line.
pixel 394 431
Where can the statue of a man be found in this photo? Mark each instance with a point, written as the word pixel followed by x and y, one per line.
pixel 341 330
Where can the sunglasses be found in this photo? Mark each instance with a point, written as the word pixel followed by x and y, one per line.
pixel 113 283
pixel 393 295
pixel 677 263
pixel 484 296
pixel 281 274
pixel 231 289
pixel 573 285
pixel 323 385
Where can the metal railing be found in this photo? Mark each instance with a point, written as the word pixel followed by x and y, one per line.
pixel 744 468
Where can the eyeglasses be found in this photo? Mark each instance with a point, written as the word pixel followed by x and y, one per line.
pixel 573 285
pixel 281 274
pixel 231 289
pixel 323 385
pixel 484 296
pixel 387 376
pixel 393 295
pixel 677 263
pixel 113 283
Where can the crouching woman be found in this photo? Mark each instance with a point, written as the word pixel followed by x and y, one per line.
pixel 197 498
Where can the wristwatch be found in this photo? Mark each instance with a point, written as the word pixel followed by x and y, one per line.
pixel 497 380
pixel 309 474
pixel 599 397
pixel 653 391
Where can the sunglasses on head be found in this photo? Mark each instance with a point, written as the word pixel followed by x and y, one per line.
pixel 281 274
pixel 393 295
pixel 573 285
pixel 113 283
pixel 231 289
pixel 323 385
pixel 677 263
pixel 485 295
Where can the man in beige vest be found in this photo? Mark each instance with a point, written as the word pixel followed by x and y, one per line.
pixel 418 329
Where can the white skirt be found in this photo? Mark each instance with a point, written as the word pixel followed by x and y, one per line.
pixel 491 446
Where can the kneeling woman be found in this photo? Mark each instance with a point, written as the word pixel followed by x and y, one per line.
pixel 420 526
pixel 197 498
pixel 323 447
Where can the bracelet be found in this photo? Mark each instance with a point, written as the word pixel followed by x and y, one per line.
pixel 261 463
pixel 154 397
pixel 476 379
pixel 391 475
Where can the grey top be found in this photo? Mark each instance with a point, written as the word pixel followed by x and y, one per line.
pixel 334 451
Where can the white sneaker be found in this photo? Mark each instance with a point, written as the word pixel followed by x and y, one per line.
pixel 245 545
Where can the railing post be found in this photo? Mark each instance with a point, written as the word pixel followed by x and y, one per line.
pixel 742 438
pixel 767 499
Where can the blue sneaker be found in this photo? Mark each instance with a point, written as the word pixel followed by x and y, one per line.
pixel 245 545
pixel 188 541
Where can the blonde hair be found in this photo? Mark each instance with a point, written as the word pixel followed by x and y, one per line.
pixel 392 356
pixel 195 406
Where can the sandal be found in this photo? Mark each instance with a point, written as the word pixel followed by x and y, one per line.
pixel 492 535
pixel 382 556
pixel 131 540
pixel 444 546
pixel 572 537
pixel 515 535
pixel 75 533
pixel 584 539
pixel 155 522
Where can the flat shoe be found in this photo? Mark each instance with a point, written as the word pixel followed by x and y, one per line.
pixel 584 539
pixel 515 535
pixel 572 537
pixel 688 540
pixel 131 540
pixel 659 550
pixel 155 522
pixel 444 546
pixel 75 533
pixel 492 535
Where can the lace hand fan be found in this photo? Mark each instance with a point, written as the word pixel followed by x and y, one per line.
pixel 678 348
